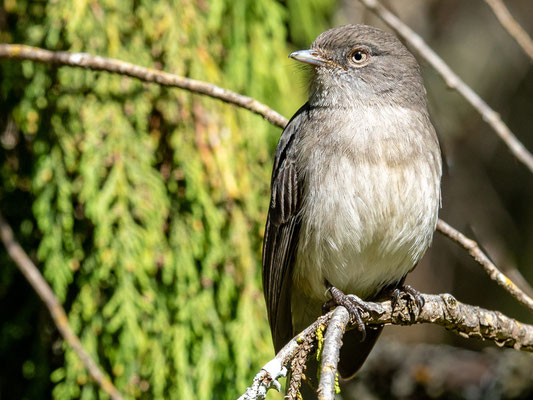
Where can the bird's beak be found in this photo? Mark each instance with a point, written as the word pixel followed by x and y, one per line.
pixel 309 57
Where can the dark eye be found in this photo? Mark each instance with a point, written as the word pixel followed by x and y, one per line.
pixel 359 56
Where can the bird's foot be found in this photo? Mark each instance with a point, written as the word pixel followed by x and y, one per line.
pixel 414 299
pixel 352 303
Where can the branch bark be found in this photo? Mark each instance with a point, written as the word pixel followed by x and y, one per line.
pixel 511 26
pixel 97 63
pixel 444 310
pixel 482 259
pixel 36 280
pixel 453 81
pixel 330 353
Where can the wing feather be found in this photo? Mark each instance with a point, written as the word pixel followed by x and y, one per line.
pixel 282 231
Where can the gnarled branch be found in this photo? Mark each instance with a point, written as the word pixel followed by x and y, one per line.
pixel 272 370
pixel 330 353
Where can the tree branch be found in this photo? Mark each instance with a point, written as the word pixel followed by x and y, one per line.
pixel 482 259
pixel 512 26
pixel 330 353
pixel 36 280
pixel 444 310
pixel 463 319
pixel 453 81
pixel 97 63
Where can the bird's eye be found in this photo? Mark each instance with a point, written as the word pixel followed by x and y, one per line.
pixel 360 56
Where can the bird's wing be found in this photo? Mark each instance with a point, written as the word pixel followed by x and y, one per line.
pixel 281 232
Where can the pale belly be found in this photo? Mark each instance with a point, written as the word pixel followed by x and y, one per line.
pixel 363 228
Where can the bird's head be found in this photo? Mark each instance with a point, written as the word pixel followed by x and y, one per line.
pixel 361 64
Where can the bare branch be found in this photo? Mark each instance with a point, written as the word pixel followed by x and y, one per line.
pixel 330 353
pixel 453 81
pixel 36 280
pixel 444 310
pixel 463 319
pixel 482 259
pixel 512 26
pixel 85 60
pixel 97 63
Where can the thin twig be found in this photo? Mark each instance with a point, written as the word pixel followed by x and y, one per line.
pixel 97 63
pixel 512 26
pixel 453 81
pixel 36 280
pixel 482 259
pixel 330 353
pixel 514 274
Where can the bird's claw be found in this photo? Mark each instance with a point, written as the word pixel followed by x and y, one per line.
pixel 352 303
pixel 415 301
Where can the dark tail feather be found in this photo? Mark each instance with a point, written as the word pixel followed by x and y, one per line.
pixel 354 352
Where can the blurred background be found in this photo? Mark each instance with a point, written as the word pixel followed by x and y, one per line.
pixel 144 207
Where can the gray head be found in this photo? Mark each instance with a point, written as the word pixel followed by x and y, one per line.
pixel 362 64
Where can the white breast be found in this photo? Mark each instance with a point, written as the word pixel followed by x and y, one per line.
pixel 370 205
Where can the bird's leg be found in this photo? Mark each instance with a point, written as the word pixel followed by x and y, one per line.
pixel 414 299
pixel 351 302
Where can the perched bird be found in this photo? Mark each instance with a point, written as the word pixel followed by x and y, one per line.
pixel 355 187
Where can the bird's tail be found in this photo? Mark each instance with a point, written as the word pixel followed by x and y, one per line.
pixel 354 352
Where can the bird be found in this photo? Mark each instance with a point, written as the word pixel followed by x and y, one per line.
pixel 355 188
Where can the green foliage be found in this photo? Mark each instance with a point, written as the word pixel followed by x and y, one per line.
pixel 150 202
